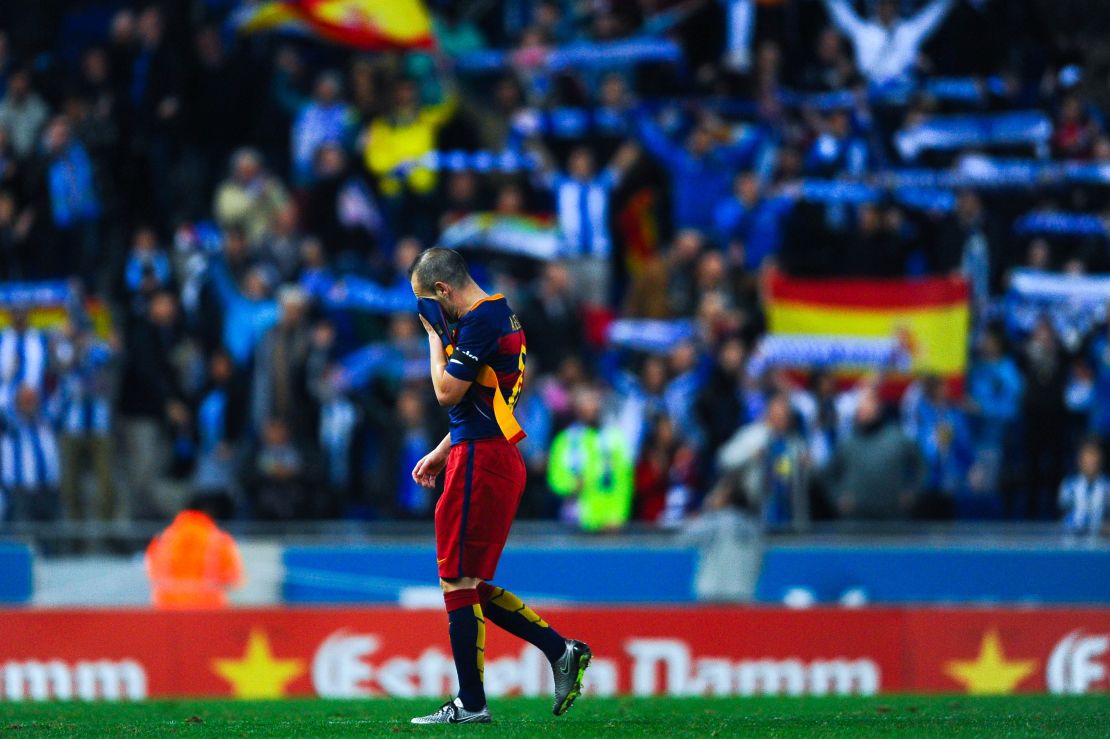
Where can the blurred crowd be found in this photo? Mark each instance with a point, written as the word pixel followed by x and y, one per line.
pixel 211 188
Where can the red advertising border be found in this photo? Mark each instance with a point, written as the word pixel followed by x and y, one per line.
pixel 259 653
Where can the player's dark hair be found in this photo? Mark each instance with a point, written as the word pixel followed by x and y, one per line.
pixel 440 265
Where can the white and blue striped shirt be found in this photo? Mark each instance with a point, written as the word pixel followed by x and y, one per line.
pixel 583 213
pixel 23 358
pixel 338 418
pixel 1084 502
pixel 28 454
pixel 80 411
pixel 81 403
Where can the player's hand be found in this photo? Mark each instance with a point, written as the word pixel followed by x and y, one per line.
pixel 428 468
pixel 427 326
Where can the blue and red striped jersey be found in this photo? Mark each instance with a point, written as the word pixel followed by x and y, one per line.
pixel 488 334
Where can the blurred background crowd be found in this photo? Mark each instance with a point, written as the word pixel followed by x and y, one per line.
pixel 220 221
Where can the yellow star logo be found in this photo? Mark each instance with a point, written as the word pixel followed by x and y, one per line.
pixel 258 674
pixel 990 673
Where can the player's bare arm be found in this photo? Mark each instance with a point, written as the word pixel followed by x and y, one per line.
pixel 431 464
pixel 449 390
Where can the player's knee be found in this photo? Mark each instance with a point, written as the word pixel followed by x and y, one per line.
pixel 458 583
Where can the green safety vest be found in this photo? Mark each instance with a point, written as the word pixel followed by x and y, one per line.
pixel 597 465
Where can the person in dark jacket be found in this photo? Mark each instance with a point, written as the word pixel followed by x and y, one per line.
pixel 877 472
pixel 151 400
pixel 720 404
pixel 552 314
pixel 1045 418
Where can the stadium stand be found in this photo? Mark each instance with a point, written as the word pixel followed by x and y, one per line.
pixel 205 228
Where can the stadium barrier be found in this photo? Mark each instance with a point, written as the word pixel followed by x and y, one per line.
pixel 1011 574
pixel 382 574
pixel 16 575
pixel 348 653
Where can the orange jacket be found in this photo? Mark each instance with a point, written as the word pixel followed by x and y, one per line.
pixel 193 563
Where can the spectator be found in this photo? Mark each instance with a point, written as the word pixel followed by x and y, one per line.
pixel 1097 398
pixel 327 119
pixel 887 48
pixel 153 404
pixel 193 563
pixel 534 414
pixel 995 387
pixel 1075 133
pixel 74 203
pixel 665 478
pixel 823 424
pixel 366 89
pixel 23 114
pixel 82 408
pixel 457 34
pixel 146 271
pixel 15 259
pixel 221 420
pixel 720 402
pixel 338 440
pixel 688 368
pixel 1044 417
pixel 681 268
pixel 277 475
pixel 837 150
pixel 591 467
pixel 965 248
pixel 749 225
pixel 495 121
pixel 5 59
pixel 701 171
pixel 279 386
pixel 23 356
pixel 462 197
pixel 248 313
pixel 944 441
pixel 341 211
pixel 406 445
pixel 402 137
pixel 875 250
pixel 582 198
pixel 768 467
pixel 250 198
pixel 551 317
pixel 282 248
pixel 10 169
pixel 29 464
pixel 219 106
pixel 155 90
pixel 1084 496
pixel 876 472
pixel 831 68
pixel 639 398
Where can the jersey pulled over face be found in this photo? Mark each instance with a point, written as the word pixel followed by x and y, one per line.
pixel 489 334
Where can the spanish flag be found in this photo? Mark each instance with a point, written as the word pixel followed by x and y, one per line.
pixel 368 25
pixel 929 317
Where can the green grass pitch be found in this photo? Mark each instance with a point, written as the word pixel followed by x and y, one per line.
pixel 933 716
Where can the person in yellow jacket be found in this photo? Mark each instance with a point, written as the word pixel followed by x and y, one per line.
pixel 193 563
pixel 591 465
pixel 395 141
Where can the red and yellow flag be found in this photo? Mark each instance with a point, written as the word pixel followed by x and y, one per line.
pixel 929 317
pixel 369 25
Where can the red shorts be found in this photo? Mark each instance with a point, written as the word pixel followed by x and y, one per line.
pixel 481 492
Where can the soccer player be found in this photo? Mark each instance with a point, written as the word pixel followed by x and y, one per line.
pixel 480 379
